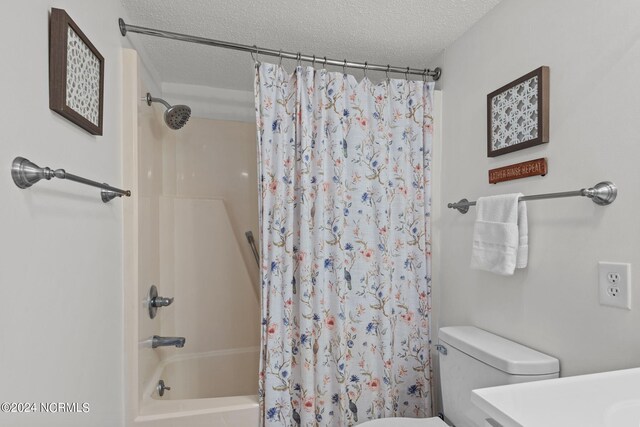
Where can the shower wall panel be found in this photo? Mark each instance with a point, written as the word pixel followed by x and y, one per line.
pixel 216 159
pixel 216 306
pixel 209 200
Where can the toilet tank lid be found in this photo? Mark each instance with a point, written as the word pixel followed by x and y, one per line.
pixel 501 353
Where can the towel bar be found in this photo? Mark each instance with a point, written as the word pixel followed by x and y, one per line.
pixel 26 173
pixel 603 193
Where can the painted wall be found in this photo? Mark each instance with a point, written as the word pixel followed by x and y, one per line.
pixel 593 50
pixel 61 258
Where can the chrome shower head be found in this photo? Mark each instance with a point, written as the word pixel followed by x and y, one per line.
pixel 175 116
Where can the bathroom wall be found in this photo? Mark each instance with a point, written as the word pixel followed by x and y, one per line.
pixel 61 258
pixel 593 50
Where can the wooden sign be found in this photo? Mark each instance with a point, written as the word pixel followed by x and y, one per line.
pixel 518 170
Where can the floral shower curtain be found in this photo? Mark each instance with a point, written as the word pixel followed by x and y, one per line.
pixel 345 234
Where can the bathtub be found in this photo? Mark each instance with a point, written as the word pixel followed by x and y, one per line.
pixel 213 388
pixel 237 411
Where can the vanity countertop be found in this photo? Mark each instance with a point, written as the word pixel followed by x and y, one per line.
pixel 607 399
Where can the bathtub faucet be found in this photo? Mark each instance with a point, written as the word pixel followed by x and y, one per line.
pixel 167 341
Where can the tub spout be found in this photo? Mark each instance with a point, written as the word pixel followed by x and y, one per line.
pixel 167 341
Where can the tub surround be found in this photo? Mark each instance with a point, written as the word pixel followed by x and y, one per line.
pixel 185 233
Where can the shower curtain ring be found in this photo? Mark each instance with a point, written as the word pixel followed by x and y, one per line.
pixel 325 62
pixel 387 72
pixel 365 68
pixel 313 63
pixel 256 60
pixel 406 74
pixel 299 59
pixel 280 55
pixel 424 75
pixel 344 67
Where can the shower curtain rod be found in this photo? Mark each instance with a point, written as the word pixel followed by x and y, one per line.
pixel 124 28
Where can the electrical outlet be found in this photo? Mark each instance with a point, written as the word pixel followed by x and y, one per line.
pixel 615 284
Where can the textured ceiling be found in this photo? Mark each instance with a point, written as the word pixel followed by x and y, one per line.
pixel 397 32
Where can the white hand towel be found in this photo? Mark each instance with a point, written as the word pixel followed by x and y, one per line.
pixel 523 236
pixel 500 240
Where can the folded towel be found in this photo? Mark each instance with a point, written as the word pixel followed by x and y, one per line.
pixel 500 238
pixel 523 236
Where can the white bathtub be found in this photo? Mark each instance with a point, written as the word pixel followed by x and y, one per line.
pixel 213 389
pixel 238 411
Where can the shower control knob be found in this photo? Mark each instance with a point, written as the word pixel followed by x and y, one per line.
pixel 162 388
pixel 161 302
pixel 156 301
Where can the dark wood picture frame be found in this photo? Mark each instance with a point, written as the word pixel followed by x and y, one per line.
pixel 542 109
pixel 59 25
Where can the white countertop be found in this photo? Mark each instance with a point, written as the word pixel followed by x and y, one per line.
pixel 608 399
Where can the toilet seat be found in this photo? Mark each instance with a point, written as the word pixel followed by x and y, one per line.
pixel 406 422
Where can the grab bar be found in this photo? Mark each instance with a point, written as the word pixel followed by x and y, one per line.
pixel 26 173
pixel 252 244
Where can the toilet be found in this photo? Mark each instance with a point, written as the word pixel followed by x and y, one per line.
pixel 471 358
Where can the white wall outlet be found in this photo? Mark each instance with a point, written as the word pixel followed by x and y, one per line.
pixel 615 284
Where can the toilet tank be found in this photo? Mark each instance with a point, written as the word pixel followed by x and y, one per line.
pixel 476 359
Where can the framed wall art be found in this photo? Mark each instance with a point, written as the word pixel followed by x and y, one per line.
pixel 76 74
pixel 518 114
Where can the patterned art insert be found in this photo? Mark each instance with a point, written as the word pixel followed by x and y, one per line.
pixel 83 78
pixel 515 115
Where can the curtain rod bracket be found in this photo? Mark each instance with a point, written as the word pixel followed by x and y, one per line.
pixel 436 73
pixel 123 27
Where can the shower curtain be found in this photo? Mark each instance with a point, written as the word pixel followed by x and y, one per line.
pixel 344 171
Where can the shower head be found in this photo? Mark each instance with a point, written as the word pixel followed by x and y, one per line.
pixel 175 116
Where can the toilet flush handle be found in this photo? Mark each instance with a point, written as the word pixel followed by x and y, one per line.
pixel 441 349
